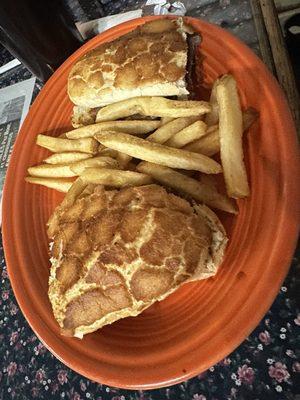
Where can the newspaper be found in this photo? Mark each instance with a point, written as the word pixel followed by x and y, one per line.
pixel 14 105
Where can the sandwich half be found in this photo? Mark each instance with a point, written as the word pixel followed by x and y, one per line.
pixel 116 252
pixel 156 59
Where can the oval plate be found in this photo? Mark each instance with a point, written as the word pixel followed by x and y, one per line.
pixel 202 322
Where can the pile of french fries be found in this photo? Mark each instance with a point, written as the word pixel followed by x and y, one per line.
pixel 179 140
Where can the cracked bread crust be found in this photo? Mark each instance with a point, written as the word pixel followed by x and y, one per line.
pixel 115 253
pixel 149 61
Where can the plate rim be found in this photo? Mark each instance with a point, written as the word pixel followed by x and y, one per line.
pixel 7 191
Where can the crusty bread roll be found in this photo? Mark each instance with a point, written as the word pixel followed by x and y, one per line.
pixel 149 61
pixel 115 253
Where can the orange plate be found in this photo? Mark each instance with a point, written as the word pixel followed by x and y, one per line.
pixel 202 322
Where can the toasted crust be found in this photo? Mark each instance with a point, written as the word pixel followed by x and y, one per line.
pixel 150 61
pixel 218 244
pixel 115 253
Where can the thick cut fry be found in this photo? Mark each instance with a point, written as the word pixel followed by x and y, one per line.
pixel 208 144
pixel 74 192
pixel 209 180
pixel 58 145
pixel 131 166
pixel 105 151
pixel 87 191
pixel 76 188
pixel 197 190
pixel 152 106
pixel 187 135
pixel 165 120
pixel 230 131
pixel 123 160
pixel 99 162
pixel 157 153
pixel 115 178
pixel 212 118
pixel 66 158
pixel 52 171
pixel 165 132
pixel 62 185
pixel 133 127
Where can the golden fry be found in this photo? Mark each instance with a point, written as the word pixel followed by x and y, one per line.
pixel 88 190
pixel 123 160
pixel 105 151
pixel 152 106
pixel 52 171
pixel 208 145
pixel 76 188
pixel 165 132
pixel 187 135
pixel 165 120
pixel 115 178
pixel 133 127
pixel 209 180
pixel 74 192
pixel 212 118
pixel 66 158
pixel 58 145
pixel 62 185
pixel 197 190
pixel 230 131
pixel 99 162
pixel 157 153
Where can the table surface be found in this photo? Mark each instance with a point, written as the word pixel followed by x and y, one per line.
pixel 265 366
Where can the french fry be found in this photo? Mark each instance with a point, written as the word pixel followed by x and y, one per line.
pixel 131 166
pixel 74 192
pixel 212 118
pixel 152 106
pixel 165 132
pixel 209 144
pixel 123 160
pixel 66 158
pixel 157 153
pixel 58 145
pixel 62 185
pixel 165 120
pixel 209 180
pixel 63 135
pixel 87 191
pixel 115 178
pixel 76 188
pixel 230 131
pixel 130 126
pixel 105 151
pixel 187 135
pixel 99 162
pixel 197 190
pixel 51 171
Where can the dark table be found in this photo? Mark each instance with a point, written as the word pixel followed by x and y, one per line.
pixel 265 366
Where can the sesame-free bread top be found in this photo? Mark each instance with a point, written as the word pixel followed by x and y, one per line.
pixel 115 253
pixel 149 61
